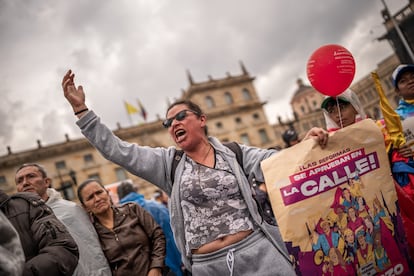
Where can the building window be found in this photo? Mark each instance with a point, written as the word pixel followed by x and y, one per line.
pixel 120 174
pixel 88 159
pixel 256 116
pixel 244 138
pixel 302 108
pixel 228 97
pixel 246 94
pixel 315 104
pixel 3 181
pixel 210 102
pixel 219 125
pixel 94 176
pixel 263 136
pixel 60 165
pixel 238 120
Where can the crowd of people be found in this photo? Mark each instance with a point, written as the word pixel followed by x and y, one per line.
pixel 204 219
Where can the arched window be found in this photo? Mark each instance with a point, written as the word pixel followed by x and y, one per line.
pixel 244 138
pixel 210 102
pixel 246 94
pixel 228 98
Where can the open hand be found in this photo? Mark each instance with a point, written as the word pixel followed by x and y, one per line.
pixel 405 151
pixel 75 96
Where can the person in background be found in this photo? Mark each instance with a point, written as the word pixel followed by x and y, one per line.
pixel 348 110
pixel 48 247
pixel 132 241
pixel 11 251
pixel 345 110
pixel 403 80
pixel 33 178
pixel 161 197
pixel 290 137
pixel 128 193
pixel 215 221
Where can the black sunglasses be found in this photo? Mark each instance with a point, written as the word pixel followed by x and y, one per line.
pixel 179 117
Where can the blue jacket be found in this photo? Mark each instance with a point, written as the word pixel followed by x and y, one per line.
pixel 405 109
pixel 160 214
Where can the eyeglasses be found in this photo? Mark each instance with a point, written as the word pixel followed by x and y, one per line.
pixel 179 117
pixel 334 108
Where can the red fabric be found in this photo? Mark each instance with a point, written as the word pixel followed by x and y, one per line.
pixel 406 204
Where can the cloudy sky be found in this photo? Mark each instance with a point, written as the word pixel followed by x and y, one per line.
pixel 131 49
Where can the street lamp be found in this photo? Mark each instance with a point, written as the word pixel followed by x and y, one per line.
pixel 72 175
pixel 399 32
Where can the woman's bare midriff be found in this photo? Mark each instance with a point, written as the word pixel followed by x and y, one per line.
pixel 222 242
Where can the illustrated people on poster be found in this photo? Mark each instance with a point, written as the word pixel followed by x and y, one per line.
pixel 369 229
pixel 379 214
pixel 324 238
pixel 348 199
pixel 355 223
pixel 365 252
pixel 362 207
pixel 355 186
pixel 338 217
pixel 382 262
pixel 351 247
pixel 337 265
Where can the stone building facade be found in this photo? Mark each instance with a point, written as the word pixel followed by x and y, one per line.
pixel 232 105
pixel 235 113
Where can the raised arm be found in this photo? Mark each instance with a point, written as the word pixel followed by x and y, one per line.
pixel 75 96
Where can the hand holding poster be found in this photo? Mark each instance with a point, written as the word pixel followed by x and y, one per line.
pixel 337 207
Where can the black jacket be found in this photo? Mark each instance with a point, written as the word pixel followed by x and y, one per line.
pixel 48 246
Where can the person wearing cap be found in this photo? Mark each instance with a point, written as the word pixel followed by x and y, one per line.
pixel 350 110
pixel 346 109
pixel 365 252
pixel 403 80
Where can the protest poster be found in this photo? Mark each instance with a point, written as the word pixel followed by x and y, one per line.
pixel 336 207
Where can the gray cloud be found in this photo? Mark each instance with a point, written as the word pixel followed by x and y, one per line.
pixel 128 50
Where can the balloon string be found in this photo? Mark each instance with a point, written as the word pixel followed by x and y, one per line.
pixel 339 112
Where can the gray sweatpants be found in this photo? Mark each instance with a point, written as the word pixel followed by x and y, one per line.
pixel 255 255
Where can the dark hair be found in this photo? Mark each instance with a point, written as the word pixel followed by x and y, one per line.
pixel 86 183
pixel 192 106
pixel 124 189
pixel 39 167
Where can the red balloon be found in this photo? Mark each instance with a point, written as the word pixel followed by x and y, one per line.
pixel 331 69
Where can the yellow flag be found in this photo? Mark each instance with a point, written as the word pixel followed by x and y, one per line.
pixel 391 118
pixel 130 108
